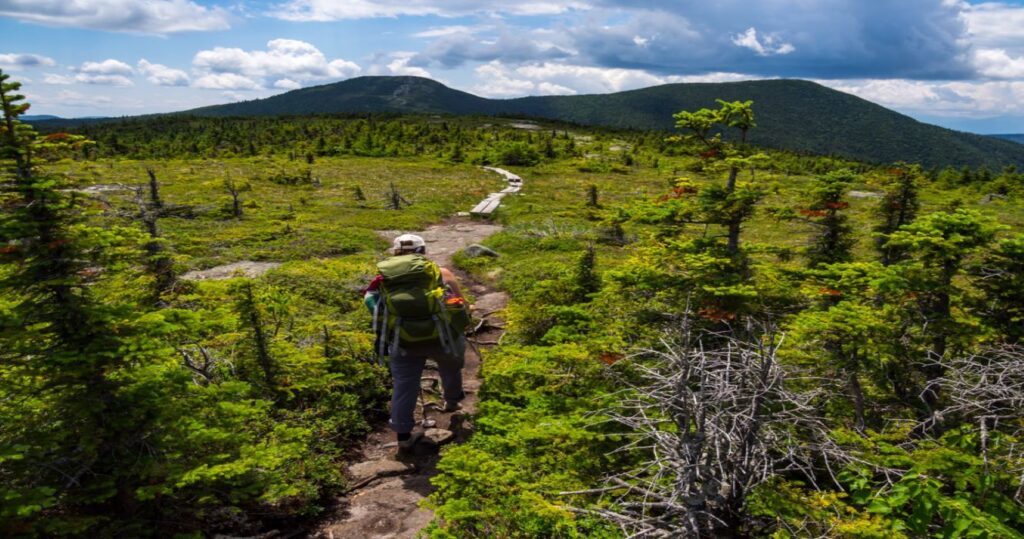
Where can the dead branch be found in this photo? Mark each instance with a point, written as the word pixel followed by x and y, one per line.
pixel 713 422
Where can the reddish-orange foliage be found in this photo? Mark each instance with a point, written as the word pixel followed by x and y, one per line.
pixel 56 137
pixel 814 213
pixel 829 292
pixel 610 358
pixel 709 154
pixel 838 205
pixel 716 314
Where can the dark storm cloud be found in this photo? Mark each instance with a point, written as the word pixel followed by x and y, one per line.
pixel 507 45
pixel 920 39
pixel 917 39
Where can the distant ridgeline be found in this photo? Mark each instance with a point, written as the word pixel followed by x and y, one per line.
pixel 793 115
pixel 1016 138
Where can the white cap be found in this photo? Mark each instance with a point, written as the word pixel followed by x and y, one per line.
pixel 407 243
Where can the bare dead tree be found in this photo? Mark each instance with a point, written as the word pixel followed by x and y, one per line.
pixel 715 423
pixel 395 200
pixel 158 260
pixel 201 362
pixel 987 389
pixel 154 190
pixel 235 189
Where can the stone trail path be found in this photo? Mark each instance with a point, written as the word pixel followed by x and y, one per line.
pixel 386 492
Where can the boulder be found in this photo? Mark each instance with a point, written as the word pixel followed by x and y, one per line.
pixel 477 250
pixel 437 436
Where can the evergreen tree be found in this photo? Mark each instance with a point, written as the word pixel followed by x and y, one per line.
pixel 69 432
pixel 898 207
pixel 728 205
pixel 1000 277
pixel 938 245
pixel 587 280
pixel 834 238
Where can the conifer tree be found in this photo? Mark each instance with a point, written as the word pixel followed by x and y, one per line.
pixel 252 319
pixel 587 280
pixel 834 238
pixel 898 207
pixel 938 245
pixel 729 205
pixel 68 430
pixel 1000 277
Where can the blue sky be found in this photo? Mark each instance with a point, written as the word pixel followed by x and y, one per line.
pixel 950 62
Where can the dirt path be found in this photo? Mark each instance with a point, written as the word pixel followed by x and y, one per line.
pixel 384 503
pixel 385 493
pixel 384 499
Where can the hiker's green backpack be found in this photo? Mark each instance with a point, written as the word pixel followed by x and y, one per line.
pixel 411 310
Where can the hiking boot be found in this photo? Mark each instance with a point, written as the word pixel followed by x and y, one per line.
pixel 407 442
pixel 451 406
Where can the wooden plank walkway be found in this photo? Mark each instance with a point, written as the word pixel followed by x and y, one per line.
pixel 487 206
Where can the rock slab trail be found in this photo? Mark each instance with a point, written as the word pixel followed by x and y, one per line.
pixel 385 496
pixel 385 493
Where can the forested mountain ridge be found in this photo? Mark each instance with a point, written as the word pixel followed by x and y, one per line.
pixel 1015 138
pixel 798 115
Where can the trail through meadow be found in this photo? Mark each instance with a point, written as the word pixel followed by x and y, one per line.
pixel 385 493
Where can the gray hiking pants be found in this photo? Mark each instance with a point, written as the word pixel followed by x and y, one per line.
pixel 406 370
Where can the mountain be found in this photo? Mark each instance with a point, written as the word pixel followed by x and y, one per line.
pixel 39 117
pixel 794 115
pixel 1015 138
pixel 361 94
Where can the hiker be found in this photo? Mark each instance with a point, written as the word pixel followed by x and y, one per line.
pixel 418 314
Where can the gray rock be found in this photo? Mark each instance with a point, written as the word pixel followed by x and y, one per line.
pixel 865 194
pixel 374 469
pixel 437 436
pixel 476 250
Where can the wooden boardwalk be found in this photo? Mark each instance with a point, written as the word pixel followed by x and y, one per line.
pixel 487 206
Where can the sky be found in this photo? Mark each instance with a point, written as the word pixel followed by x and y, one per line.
pixel 954 63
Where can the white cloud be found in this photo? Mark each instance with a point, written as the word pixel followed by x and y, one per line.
pixel 225 81
pixel 496 80
pixel 441 31
pixel 287 84
pixel 398 64
pixel 333 10
pixel 958 99
pixel 548 88
pixel 500 80
pixel 162 75
pixel 109 72
pixel 995 24
pixel 765 46
pixel 589 79
pixel 104 80
pixel 25 61
pixel 234 96
pixel 138 16
pixel 284 58
pixel 106 67
pixel 51 78
pixel 719 76
pixel 998 64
